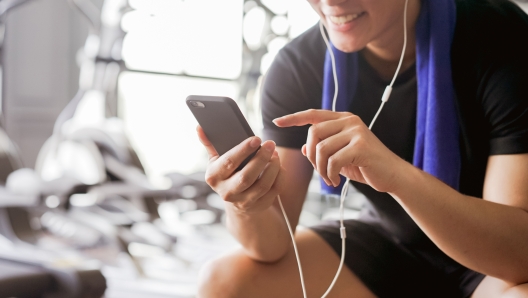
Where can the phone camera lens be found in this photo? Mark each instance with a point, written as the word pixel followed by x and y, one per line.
pixel 197 104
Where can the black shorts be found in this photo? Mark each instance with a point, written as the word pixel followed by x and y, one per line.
pixel 390 269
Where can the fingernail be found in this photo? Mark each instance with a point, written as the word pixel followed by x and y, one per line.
pixel 275 153
pixel 276 119
pixel 255 142
pixel 269 146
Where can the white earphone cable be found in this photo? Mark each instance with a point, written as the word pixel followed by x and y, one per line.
pixel 334 68
pixel 344 191
pixel 342 229
pixel 404 43
pixel 294 246
pixel 388 90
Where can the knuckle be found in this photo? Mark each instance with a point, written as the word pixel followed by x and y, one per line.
pixel 263 188
pixel 259 190
pixel 246 204
pixel 351 119
pixel 321 147
pixel 240 206
pixel 243 182
pixel 360 143
pixel 312 114
pixel 332 162
pixel 210 179
pixel 228 196
pixel 313 130
pixel 362 128
pixel 355 129
pixel 228 164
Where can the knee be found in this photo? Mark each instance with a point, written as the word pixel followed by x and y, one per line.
pixel 519 291
pixel 212 281
pixel 224 277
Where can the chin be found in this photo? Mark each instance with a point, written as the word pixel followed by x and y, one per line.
pixel 347 44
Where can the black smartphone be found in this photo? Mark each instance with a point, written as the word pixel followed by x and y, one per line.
pixel 222 121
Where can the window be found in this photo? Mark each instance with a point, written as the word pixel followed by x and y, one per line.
pixel 176 48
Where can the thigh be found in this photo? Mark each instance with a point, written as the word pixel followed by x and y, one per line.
pixel 388 267
pixel 236 275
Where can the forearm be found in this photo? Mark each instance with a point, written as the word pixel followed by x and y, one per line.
pixel 488 237
pixel 263 235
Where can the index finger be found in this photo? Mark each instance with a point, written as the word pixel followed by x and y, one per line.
pixel 311 116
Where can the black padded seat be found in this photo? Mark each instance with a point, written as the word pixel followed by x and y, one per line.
pixel 24 281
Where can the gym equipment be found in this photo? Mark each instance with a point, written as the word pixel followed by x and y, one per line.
pixel 26 270
pixel 91 189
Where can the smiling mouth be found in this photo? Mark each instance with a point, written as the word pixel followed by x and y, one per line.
pixel 343 19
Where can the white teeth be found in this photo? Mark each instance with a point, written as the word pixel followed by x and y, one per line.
pixel 340 20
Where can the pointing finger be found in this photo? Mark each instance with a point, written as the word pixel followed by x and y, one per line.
pixel 308 117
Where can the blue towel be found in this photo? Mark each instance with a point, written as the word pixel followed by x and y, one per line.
pixel 437 149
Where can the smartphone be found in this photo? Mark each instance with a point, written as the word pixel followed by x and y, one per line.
pixel 222 121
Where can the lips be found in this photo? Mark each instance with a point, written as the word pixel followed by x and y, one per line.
pixel 344 19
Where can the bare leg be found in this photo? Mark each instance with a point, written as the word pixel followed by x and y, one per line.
pixel 492 287
pixel 236 275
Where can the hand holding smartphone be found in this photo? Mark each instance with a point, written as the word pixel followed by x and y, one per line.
pixel 257 179
pixel 222 121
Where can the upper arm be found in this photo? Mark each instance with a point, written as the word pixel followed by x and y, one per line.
pixel 297 175
pixel 283 94
pixel 507 180
pixel 503 93
pixel 292 84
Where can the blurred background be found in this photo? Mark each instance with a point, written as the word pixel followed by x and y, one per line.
pixel 102 190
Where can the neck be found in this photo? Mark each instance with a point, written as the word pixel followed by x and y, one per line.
pixel 384 52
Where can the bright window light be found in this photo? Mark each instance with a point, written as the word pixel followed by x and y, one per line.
pixel 277 6
pixel 301 17
pixel 254 22
pixel 160 125
pixel 199 37
pixel 279 25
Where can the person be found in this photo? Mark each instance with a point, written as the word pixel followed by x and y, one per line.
pixel 418 236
